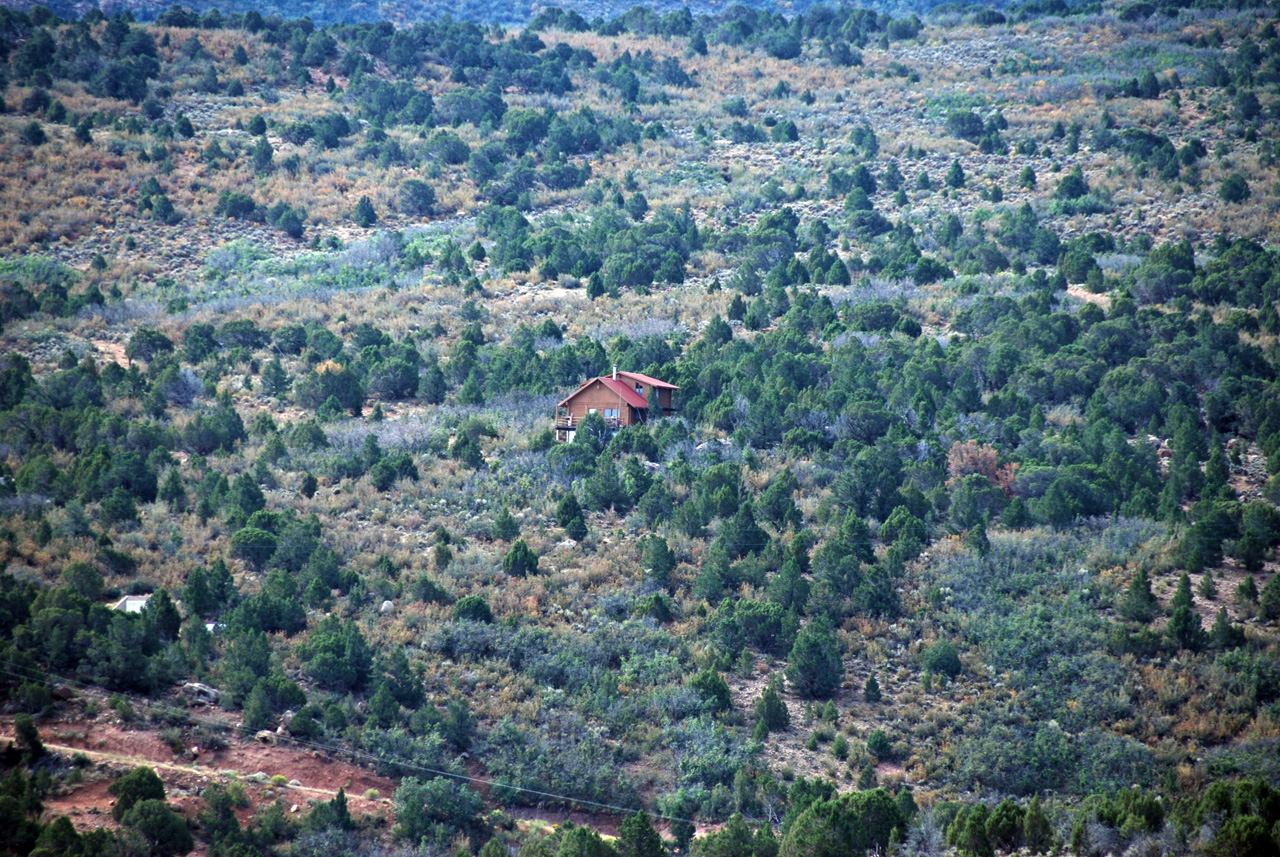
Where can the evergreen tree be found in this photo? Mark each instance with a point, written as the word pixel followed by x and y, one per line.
pixel 1217 475
pixel 741 535
pixel 569 515
pixel 1005 825
pixel 871 690
pixel 27 738
pixel 163 615
pixel 197 597
pixel 1139 603
pixel 1184 629
pixel 968 832
pixel 713 688
pixel 364 215
pixel 1247 592
pixel 976 539
pixel 1182 597
pixel 1269 599
pixel 816 664
pixel 164 831
pixel 1037 833
pixel 955 176
pixel 520 561
pixel 1207 588
pixel 471 393
pixel 1224 635
pixel 172 492
pixel 275 380
pixel 772 711
pixel 657 560
pixel 384 711
pixel 257 708
pixel 139 784
pixel 505 528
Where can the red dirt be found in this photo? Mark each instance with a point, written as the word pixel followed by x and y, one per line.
pixel 113 748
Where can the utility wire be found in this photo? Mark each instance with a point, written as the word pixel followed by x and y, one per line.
pixel 45 677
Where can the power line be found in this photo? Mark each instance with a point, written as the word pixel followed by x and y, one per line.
pixel 45 677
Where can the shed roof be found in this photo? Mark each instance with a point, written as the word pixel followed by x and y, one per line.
pixel 645 379
pixel 132 603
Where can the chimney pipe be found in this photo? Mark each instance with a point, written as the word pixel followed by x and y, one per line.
pixel 615 371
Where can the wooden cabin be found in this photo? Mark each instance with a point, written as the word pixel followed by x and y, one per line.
pixel 622 399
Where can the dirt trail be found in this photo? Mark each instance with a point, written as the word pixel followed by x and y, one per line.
pixel 114 747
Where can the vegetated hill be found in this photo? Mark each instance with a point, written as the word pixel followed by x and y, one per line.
pixel 970 495
pixel 481 11
pixel 520 13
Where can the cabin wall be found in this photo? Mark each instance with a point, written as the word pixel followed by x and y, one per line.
pixel 601 398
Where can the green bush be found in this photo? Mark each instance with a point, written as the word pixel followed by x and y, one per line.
pixel 941 659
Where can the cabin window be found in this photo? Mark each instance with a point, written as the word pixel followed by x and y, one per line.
pixel 610 413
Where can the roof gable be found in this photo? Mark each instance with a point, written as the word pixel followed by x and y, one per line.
pixel 617 388
pixel 628 395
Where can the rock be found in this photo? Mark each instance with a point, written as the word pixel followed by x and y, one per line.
pixel 386 607
pixel 266 736
pixel 200 694
pixel 295 784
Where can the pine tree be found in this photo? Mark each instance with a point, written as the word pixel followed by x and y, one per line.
pixel 504 527
pixel 1269 599
pixel 637 838
pixel 871 690
pixel 164 615
pixel 657 560
pixel 197 597
pixel 471 393
pixel 1217 475
pixel 275 380
pixel 1207 588
pixel 520 561
pixel 384 711
pixel 569 515
pixel 816 667
pixel 364 215
pixel 257 709
pixel 1037 833
pixel 1184 628
pixel 172 492
pixel 1182 597
pixel 1224 635
pixel 976 540
pixel 772 711
pixel 1247 592
pixel 1139 604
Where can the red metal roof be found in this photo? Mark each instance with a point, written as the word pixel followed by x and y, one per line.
pixel 627 394
pixel 645 379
